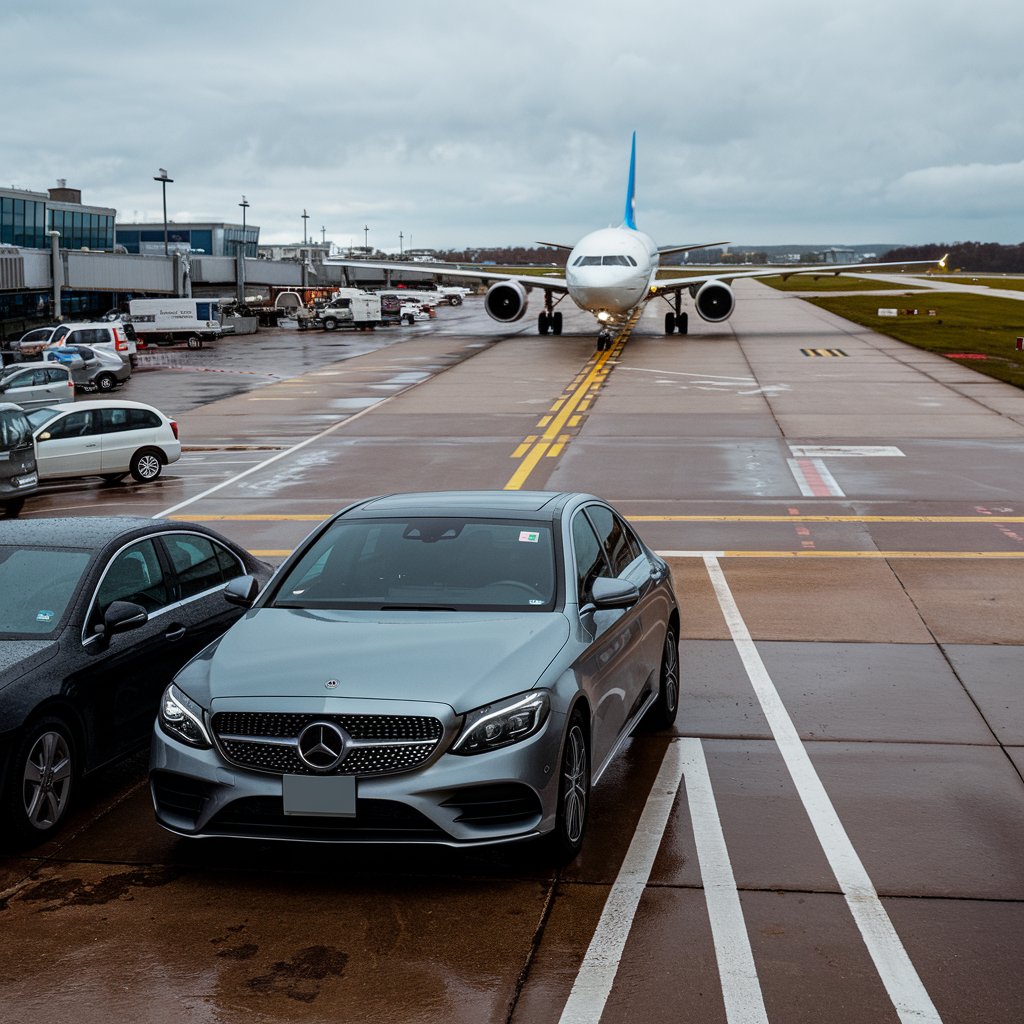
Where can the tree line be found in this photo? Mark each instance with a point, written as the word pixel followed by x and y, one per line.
pixel 975 257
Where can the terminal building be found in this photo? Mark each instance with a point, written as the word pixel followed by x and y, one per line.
pixel 211 239
pixel 27 218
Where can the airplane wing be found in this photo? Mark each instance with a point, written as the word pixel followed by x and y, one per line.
pixel 667 250
pixel 677 283
pixel 553 283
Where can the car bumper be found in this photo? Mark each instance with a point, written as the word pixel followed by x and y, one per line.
pixel 454 800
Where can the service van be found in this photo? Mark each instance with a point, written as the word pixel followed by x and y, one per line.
pixel 170 321
pixel 18 476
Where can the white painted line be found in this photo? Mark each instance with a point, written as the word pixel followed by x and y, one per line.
pixel 845 451
pixel 900 978
pixel 801 481
pixel 741 989
pixel 597 972
pixel 690 554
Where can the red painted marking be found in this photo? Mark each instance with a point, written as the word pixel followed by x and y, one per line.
pixel 966 355
pixel 813 478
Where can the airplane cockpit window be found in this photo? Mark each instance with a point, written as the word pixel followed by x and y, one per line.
pixel 615 261
pixel 588 261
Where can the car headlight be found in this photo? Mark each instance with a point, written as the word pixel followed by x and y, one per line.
pixel 182 718
pixel 499 725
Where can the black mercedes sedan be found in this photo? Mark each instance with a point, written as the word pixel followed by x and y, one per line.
pixel 96 617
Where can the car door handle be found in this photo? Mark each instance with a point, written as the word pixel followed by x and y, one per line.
pixel 174 633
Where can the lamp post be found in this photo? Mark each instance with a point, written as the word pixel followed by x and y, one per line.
pixel 400 237
pixel 163 179
pixel 305 217
pixel 244 204
pixel 366 239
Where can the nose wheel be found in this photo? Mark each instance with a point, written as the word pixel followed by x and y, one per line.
pixel 604 341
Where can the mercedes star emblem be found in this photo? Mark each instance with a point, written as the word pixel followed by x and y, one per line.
pixel 331 684
pixel 322 746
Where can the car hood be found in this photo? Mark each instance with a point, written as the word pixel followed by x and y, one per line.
pixel 462 659
pixel 20 656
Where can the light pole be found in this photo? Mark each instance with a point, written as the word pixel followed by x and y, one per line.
pixel 305 217
pixel 163 179
pixel 366 239
pixel 323 235
pixel 244 204
pixel 400 237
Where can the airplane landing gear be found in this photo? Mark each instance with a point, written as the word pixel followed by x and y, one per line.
pixel 543 322
pixel 604 341
pixel 549 321
pixel 670 322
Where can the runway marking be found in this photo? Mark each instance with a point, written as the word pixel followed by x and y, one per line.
pixel 576 399
pixel 741 989
pixel 814 479
pixel 841 554
pixel 908 995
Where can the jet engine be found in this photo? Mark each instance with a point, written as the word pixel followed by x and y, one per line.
pixel 505 301
pixel 715 301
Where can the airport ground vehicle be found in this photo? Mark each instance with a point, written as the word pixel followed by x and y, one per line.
pixel 34 385
pixel 96 615
pixel 106 437
pixel 169 321
pixel 18 477
pixel 454 668
pixel 349 308
pixel 92 369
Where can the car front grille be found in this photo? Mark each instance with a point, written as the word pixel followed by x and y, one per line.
pixel 494 804
pixel 381 744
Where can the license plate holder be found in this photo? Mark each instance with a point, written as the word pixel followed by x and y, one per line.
pixel 320 795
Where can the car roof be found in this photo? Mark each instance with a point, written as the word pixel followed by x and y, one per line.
pixel 100 403
pixel 92 531
pixel 441 503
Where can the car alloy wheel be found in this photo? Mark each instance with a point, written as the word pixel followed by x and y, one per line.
pixel 41 781
pixel 106 382
pixel 564 843
pixel 662 713
pixel 145 466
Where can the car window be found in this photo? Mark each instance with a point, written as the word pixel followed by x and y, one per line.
pixel 590 561
pixel 620 546
pixel 75 424
pixel 36 586
pixel 199 563
pixel 60 332
pixel 15 431
pixel 56 375
pixel 134 575
pixel 408 564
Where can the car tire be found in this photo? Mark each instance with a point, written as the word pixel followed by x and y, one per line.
pixel 456 300
pixel 330 324
pixel 662 713
pixel 565 842
pixel 106 382
pixel 41 781
pixel 146 465
pixel 12 508
pixel 194 341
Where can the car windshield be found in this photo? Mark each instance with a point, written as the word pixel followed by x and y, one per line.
pixel 36 585
pixel 413 564
pixel 37 417
pixel 14 430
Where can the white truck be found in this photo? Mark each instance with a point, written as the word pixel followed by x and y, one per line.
pixel 349 307
pixel 168 321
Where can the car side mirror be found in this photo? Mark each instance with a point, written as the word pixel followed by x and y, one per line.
pixel 242 590
pixel 44 436
pixel 607 593
pixel 122 616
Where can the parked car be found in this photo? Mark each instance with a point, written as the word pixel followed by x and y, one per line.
pixel 455 668
pixel 105 437
pixel 34 385
pixel 32 342
pixel 18 478
pixel 109 335
pixel 92 369
pixel 96 615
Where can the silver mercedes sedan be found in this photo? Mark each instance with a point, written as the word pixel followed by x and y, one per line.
pixel 453 667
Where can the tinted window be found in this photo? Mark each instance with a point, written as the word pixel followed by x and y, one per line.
pixel 36 586
pixel 620 547
pixel 115 420
pixel 134 575
pixel 14 430
pixel 199 563
pixel 590 561
pixel 54 375
pixel 74 424
pixel 410 564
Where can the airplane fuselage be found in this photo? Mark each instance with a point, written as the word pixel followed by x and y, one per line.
pixel 609 272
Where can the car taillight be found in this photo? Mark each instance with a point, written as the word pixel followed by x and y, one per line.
pixel 174 429
pixel 119 343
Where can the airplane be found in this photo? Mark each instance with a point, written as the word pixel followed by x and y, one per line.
pixel 612 273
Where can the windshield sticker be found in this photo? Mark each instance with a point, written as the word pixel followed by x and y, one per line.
pixel 533 600
pixel 529 537
pixel 45 616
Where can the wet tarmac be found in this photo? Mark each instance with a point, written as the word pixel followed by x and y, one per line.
pixel 833 831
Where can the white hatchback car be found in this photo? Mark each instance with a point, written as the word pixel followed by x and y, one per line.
pixel 108 438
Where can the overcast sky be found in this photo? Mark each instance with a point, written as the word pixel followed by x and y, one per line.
pixel 473 123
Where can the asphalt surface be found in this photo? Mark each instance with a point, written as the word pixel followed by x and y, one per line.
pixel 833 831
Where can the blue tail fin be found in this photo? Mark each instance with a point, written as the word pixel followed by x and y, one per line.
pixel 630 219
